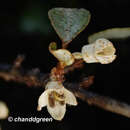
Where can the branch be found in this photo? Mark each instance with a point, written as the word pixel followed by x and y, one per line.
pixel 37 79
pixel 17 74
pixel 103 102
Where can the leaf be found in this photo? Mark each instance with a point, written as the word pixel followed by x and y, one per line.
pixel 68 23
pixel 113 33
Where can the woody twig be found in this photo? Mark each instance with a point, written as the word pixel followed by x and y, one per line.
pixel 34 78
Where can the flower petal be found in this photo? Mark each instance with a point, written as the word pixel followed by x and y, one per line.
pixel 54 85
pixel 43 99
pixel 104 51
pixel 58 111
pixel 105 46
pixel 4 111
pixel 101 51
pixel 69 97
pixel 63 55
pixel 88 54
pixel 106 59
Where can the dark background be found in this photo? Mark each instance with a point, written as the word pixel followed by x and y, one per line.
pixel 26 29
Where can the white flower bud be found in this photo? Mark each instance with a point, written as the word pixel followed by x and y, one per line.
pixel 63 55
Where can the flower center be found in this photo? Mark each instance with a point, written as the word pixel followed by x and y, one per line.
pixel 106 51
pixel 54 96
pixel 58 97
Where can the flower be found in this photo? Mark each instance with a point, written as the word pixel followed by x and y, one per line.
pixel 102 51
pixel 63 55
pixel 4 111
pixel 55 97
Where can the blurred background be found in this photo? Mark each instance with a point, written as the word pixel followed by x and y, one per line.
pixel 26 29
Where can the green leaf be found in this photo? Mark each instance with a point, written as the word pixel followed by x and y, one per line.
pixel 68 23
pixel 113 33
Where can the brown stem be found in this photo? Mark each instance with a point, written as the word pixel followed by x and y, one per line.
pixel 103 102
pixel 76 65
pixel 37 79
pixel 64 45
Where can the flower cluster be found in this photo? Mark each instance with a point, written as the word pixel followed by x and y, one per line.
pixel 101 51
pixel 55 96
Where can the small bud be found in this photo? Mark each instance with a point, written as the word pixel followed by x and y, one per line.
pixel 77 55
pixel 63 55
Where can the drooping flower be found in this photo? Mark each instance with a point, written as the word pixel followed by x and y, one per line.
pixel 55 97
pixel 63 55
pixel 102 51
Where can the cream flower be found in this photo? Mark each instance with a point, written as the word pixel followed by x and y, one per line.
pixel 102 51
pixel 63 55
pixel 4 111
pixel 55 97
